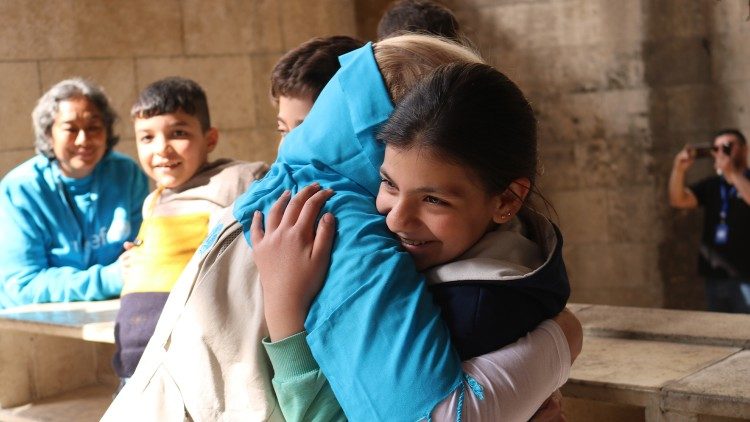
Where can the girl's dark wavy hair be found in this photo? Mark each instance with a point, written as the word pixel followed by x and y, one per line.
pixel 472 115
pixel 43 116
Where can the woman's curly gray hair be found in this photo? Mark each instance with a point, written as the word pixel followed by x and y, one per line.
pixel 48 105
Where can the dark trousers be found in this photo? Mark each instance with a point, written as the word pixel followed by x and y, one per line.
pixel 728 295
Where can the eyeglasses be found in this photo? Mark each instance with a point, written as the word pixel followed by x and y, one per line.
pixel 725 148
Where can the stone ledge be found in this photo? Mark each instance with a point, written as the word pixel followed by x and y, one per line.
pixel 683 362
pixel 722 389
pixel 675 365
pixel 687 327
pixel 634 371
pixel 90 321
pixel 82 405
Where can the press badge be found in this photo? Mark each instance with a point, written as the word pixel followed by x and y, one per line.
pixel 722 234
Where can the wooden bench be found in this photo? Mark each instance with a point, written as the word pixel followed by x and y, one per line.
pixel 55 361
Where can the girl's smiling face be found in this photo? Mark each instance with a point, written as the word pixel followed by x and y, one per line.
pixel 437 209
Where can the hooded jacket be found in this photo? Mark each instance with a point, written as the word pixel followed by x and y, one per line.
pixel 374 326
pixel 62 235
pixel 502 287
pixel 397 361
pixel 175 223
pixel 494 294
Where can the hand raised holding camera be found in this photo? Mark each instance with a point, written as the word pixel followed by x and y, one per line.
pixel 685 158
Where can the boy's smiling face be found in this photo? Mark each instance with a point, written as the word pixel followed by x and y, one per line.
pixel 172 147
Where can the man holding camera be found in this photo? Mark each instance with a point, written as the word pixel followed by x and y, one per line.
pixel 725 243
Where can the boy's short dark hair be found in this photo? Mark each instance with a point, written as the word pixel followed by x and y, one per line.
pixel 421 16
pixel 305 70
pixel 170 95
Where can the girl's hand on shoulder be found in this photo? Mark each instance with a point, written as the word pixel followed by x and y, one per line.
pixel 292 257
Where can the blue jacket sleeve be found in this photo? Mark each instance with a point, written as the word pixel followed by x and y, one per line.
pixel 373 329
pixel 41 261
pixel 25 273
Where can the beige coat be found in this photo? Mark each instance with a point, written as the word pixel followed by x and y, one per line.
pixel 205 361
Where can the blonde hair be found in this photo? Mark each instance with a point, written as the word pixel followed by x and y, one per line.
pixel 406 59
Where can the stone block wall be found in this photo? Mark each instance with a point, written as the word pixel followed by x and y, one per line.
pixel 618 86
pixel 228 46
pixel 581 64
pixel 35 366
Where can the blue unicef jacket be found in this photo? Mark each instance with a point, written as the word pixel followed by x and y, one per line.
pixel 62 236
pixel 374 328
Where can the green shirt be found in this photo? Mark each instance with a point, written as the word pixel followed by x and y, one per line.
pixel 302 390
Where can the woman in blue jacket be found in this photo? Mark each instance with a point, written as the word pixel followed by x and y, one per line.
pixel 66 212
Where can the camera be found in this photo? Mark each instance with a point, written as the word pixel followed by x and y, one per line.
pixel 701 150
pixel 704 150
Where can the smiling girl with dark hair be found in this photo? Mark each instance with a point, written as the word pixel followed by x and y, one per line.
pixel 460 161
